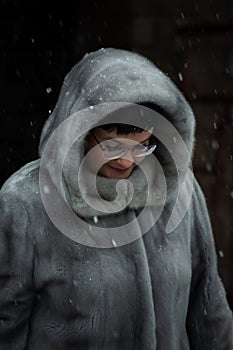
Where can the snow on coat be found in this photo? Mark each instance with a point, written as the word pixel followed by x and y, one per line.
pixel 159 291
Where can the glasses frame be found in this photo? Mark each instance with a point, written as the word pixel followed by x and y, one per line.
pixel 124 149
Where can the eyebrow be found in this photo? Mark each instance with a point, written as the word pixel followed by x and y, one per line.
pixel 121 143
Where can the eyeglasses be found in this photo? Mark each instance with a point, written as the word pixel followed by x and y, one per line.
pixel 137 151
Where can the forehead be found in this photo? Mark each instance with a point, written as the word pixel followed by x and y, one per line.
pixel 106 135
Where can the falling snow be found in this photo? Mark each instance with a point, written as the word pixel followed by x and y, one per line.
pixel 221 254
pixel 95 219
pixel 180 76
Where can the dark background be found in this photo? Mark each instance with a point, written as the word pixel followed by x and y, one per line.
pixel 190 41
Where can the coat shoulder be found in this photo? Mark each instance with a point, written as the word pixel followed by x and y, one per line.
pixel 23 184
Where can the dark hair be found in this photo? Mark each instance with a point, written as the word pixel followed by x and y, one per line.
pixel 125 129
pixel 122 129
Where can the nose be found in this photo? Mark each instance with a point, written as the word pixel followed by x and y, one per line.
pixel 127 161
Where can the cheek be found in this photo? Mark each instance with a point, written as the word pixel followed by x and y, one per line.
pixel 95 159
pixel 138 160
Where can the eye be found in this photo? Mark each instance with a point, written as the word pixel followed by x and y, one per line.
pixel 111 148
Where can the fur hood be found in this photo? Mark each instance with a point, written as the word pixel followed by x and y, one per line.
pixel 105 84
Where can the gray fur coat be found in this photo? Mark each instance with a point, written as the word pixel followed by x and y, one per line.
pixel 68 284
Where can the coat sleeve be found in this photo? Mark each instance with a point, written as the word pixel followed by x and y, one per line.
pixel 16 273
pixel 209 321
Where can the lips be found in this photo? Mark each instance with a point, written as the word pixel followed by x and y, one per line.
pixel 120 170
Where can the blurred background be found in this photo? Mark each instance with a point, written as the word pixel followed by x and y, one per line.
pixel 190 41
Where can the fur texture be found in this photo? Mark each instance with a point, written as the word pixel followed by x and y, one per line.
pixel 160 291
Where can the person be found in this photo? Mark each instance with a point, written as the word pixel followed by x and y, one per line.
pixel 105 238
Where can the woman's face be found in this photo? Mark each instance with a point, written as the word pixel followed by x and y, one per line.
pixel 120 168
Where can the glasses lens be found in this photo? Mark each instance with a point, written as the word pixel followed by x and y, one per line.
pixel 144 151
pixel 139 151
pixel 114 154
